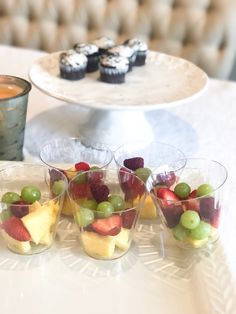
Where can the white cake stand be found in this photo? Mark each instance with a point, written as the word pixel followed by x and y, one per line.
pixel 117 112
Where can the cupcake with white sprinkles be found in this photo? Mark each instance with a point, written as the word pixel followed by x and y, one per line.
pixel 72 65
pixel 123 51
pixel 140 47
pixel 113 69
pixel 91 52
pixel 103 44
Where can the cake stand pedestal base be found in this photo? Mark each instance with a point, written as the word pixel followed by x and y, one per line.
pixel 116 127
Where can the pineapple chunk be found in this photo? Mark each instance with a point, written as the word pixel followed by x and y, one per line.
pixel 97 245
pixel 149 210
pixel 71 172
pixel 122 239
pixel 47 239
pixel 67 206
pixel 39 222
pixel 36 205
pixel 21 247
pixel 198 243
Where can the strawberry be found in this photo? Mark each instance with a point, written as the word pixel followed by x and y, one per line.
pixel 14 228
pixel 166 194
pixel 134 163
pixel 110 226
pixel 82 166
pixel 129 217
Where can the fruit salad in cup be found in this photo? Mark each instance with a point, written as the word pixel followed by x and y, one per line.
pixel 191 205
pixel 29 210
pixel 106 206
pixel 143 158
pixel 72 156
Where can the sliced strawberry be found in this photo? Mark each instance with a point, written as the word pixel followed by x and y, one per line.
pixel 110 226
pixel 15 228
pixel 82 166
pixel 166 194
pixel 129 217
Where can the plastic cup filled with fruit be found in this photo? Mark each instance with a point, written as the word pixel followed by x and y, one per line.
pixel 143 158
pixel 31 198
pixel 190 208
pixel 106 206
pixel 73 156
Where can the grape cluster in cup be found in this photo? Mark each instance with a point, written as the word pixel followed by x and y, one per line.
pixel 191 215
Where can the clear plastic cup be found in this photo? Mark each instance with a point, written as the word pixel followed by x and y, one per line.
pixel 190 209
pixel 106 206
pixel 31 198
pixel 154 154
pixel 64 154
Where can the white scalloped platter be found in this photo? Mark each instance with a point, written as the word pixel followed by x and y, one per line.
pixel 162 82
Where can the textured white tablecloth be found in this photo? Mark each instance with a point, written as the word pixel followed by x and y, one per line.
pixel 50 283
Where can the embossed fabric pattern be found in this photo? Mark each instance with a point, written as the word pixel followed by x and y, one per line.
pixel 201 31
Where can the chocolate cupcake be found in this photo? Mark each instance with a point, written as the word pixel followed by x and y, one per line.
pixel 91 52
pixel 72 65
pixel 140 47
pixel 123 51
pixel 113 69
pixel 103 44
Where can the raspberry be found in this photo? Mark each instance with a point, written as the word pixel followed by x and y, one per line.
pixel 134 163
pixel 82 166
pixel 99 192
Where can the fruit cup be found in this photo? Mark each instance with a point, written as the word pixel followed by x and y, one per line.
pixel 191 207
pixel 106 205
pixel 31 198
pixel 73 156
pixel 143 158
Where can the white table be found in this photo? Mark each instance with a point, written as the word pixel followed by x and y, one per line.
pixel 62 280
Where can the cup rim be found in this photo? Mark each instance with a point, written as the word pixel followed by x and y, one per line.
pixel 25 90
pixel 186 164
pixel 42 167
pixel 133 143
pixel 71 139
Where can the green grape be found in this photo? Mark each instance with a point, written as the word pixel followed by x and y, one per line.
pixel 202 231
pixel 90 204
pixel 84 217
pixel 10 197
pixel 30 194
pixel 104 209
pixel 180 233
pixel 5 214
pixel 190 219
pixel 204 189
pixel 143 173
pixel 117 201
pixel 182 190
pixel 58 187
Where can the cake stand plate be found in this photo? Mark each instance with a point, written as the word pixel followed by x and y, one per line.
pixel 117 112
